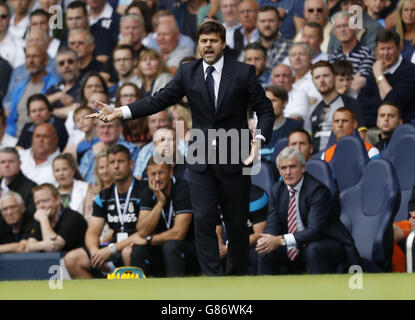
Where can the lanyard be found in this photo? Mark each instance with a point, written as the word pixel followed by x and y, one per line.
pixel 168 220
pixel 118 206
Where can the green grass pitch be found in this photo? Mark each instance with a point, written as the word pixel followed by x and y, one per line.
pixel 375 286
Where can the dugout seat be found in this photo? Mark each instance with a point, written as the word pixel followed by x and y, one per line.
pixel 396 137
pixel 264 179
pixel 321 170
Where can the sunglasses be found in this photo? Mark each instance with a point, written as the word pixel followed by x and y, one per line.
pixel 311 10
pixel 69 61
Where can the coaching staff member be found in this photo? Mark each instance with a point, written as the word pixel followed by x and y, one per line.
pixel 220 91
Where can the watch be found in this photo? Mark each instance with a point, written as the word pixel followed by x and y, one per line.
pixel 113 249
pixel 379 78
pixel 283 242
pixel 148 240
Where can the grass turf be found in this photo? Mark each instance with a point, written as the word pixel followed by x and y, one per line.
pixel 375 286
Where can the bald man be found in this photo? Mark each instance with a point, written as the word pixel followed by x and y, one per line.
pixel 37 81
pixel 37 160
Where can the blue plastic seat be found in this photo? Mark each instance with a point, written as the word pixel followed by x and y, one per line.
pixel 265 178
pixel 321 170
pixel 398 133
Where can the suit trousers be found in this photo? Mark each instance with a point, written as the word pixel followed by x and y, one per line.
pixel 209 189
pixel 318 257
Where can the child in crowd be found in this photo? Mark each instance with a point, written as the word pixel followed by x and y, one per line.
pixel 343 77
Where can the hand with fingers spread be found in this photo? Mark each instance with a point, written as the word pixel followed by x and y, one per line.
pixel 106 114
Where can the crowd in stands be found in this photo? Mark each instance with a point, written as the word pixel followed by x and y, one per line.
pixel 328 71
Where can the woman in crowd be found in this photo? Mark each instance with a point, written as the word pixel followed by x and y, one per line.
pixel 71 185
pixel 405 27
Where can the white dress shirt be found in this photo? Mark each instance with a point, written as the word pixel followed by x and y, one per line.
pixel 41 173
pixel 289 237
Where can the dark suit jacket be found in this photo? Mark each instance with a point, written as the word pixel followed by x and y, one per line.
pixel 317 211
pixel 239 89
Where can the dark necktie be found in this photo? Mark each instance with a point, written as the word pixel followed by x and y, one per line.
pixel 210 83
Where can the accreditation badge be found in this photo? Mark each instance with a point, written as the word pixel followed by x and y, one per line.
pixel 121 236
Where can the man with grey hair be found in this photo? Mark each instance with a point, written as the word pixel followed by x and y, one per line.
pixel 132 31
pixel 13 179
pixel 17 226
pixel 303 232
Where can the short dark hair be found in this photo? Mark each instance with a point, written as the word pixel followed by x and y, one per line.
pixel 12 150
pixel 346 109
pixel 125 47
pixel 270 8
pixel 256 46
pixel 152 162
pixel 392 104
pixel 78 4
pixel 279 92
pixel 388 35
pixel 315 25
pixel 300 130
pixel 320 64
pixel 117 149
pixel 39 12
pixel 38 97
pixel 211 26
pixel 342 67
pixel 4 4
pixel 53 190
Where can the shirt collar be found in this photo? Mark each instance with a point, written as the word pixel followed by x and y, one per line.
pixel 393 68
pixel 218 65
pixel 298 186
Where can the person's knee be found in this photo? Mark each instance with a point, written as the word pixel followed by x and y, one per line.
pixel 313 251
pixel 126 255
pixel 172 248
pixel 75 258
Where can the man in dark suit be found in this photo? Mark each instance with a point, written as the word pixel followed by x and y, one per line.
pixel 219 91
pixel 303 232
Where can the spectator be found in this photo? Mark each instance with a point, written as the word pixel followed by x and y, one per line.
pixel 405 27
pixel 82 42
pixel 168 37
pixel 11 48
pixel 300 56
pixel 391 80
pixel 301 139
pixel 343 77
pixel 248 32
pixel 6 140
pixel 19 21
pixel 389 118
pixel 39 19
pixel 298 102
pixel 135 131
pixel 38 81
pixel 317 11
pixel 186 17
pixel 16 225
pixel 268 24
pixel 109 134
pixel 312 34
pixel 62 229
pixel 374 10
pixel 37 161
pixel 5 71
pixel 132 32
pixel 360 56
pixel 319 121
pixel 164 245
pixel 140 8
pixel 155 121
pixel 229 12
pixel 303 232
pixel 344 123
pixel 153 74
pixel 65 93
pixel 13 178
pixel 256 55
pixel 181 117
pixel 91 259
pixel 71 185
pixel 40 111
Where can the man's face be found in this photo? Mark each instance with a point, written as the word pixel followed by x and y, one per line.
pixel 229 11
pixel 44 140
pixel 96 3
pixel 124 62
pixel 247 15
pixel 76 19
pixel 375 6
pixel 291 171
pixel 4 19
pixel 35 60
pixel 268 24
pixel 277 104
pixel 343 124
pixel 11 210
pixel 388 52
pixel 20 6
pixel 316 12
pixel 342 31
pixel 343 83
pixel 164 141
pixel 80 44
pixel 68 67
pixel 167 37
pixel 109 132
pixel 257 59
pixel 311 36
pixel 132 30
pixel 158 120
pixel 9 165
pixel 160 174
pixel 323 79
pixel 388 119
pixel 37 37
pixel 44 200
pixel 39 112
pixel 300 141
pixel 299 58
pixel 119 166
pixel 40 22
pixel 281 76
pixel 211 47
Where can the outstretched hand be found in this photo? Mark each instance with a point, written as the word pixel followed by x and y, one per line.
pixel 255 152
pixel 106 114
